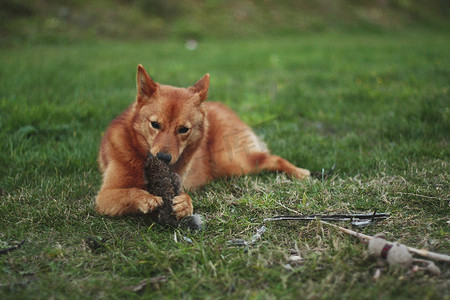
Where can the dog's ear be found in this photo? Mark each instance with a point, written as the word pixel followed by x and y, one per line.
pixel 201 88
pixel 145 85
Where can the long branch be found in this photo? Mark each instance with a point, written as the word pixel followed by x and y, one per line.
pixel 422 252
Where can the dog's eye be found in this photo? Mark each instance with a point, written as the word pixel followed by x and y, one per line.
pixel 155 125
pixel 183 130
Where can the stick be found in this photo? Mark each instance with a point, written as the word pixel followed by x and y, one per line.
pixel 422 252
pixel 338 217
pixel 6 250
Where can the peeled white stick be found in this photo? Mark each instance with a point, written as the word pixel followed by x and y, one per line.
pixel 422 252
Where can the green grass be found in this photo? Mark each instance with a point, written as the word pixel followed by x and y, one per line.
pixel 376 105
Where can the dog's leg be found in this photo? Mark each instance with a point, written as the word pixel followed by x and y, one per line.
pixel 240 156
pixel 182 205
pixel 260 161
pixel 122 192
pixel 117 202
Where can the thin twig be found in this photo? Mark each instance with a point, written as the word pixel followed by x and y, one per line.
pixel 337 217
pixel 6 250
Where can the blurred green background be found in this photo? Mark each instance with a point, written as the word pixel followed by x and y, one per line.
pixel 74 20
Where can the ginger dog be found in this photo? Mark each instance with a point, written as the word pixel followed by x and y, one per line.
pixel 199 141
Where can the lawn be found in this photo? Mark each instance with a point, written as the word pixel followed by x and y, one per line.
pixel 376 105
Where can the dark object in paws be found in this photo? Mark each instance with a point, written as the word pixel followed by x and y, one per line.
pixel 162 182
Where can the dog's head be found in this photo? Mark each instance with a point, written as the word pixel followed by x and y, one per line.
pixel 169 120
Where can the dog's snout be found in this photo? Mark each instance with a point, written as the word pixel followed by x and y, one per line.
pixel 164 156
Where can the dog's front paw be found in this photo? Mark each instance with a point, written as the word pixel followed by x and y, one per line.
pixel 149 203
pixel 182 206
pixel 302 174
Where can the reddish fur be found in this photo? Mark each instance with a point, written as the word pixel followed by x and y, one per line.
pixel 218 144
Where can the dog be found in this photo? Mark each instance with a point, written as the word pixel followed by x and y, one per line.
pixel 200 141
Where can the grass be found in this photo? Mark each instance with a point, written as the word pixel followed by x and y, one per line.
pixel 377 105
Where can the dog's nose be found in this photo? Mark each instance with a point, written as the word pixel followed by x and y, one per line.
pixel 164 156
